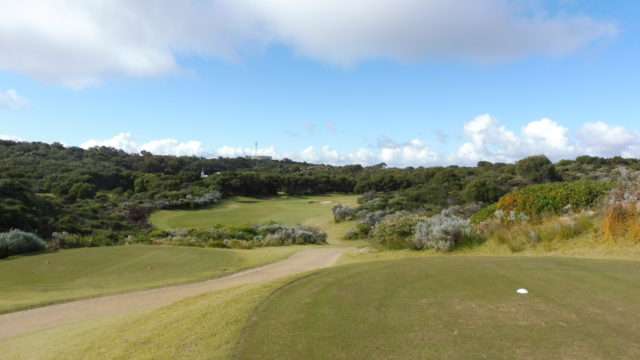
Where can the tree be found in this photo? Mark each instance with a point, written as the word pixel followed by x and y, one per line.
pixel 537 169
pixel 81 191
pixel 482 190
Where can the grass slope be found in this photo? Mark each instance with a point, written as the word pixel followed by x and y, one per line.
pixel 28 281
pixel 311 210
pixel 453 308
pixel 201 327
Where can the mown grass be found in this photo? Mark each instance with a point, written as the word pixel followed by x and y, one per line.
pixel 453 307
pixel 310 210
pixel 46 278
pixel 201 327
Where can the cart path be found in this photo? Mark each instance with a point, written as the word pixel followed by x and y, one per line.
pixel 21 322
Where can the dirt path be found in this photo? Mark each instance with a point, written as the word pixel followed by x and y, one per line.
pixel 49 316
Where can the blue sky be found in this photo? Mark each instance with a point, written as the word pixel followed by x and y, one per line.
pixel 496 81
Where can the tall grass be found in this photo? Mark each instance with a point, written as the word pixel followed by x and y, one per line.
pixel 622 222
pixel 519 236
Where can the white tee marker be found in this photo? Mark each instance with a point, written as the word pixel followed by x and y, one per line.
pixel 522 291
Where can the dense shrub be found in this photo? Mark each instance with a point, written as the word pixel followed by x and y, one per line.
pixel 395 232
pixel 537 169
pixel 482 190
pixel 441 232
pixel 18 242
pixel 544 199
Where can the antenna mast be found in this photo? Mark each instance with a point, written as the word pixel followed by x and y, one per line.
pixel 256 152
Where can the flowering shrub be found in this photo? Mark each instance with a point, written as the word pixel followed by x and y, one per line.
pixel 544 199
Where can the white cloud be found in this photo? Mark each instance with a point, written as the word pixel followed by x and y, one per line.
pixel 11 100
pixel 127 142
pixel 491 141
pixel 603 139
pixel 79 43
pixel 122 141
pixel 173 147
pixel 414 153
pixel 10 138
pixel 487 140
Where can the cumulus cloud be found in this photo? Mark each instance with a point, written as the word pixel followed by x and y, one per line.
pixel 11 100
pixel 486 139
pixel 603 139
pixel 491 141
pixel 127 142
pixel 79 43
pixel 414 153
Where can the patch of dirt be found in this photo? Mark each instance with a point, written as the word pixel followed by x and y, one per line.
pixel 326 202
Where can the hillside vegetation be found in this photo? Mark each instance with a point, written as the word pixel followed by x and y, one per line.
pixel 71 197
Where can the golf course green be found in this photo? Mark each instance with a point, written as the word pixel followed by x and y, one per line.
pixel 453 308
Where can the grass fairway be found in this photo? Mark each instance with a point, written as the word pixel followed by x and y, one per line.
pixel 311 210
pixel 453 308
pixel 200 327
pixel 28 281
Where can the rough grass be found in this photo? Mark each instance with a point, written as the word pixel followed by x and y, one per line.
pixel 290 211
pixel 201 327
pixel 41 279
pixel 453 307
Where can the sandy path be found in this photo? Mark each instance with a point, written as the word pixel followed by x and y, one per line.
pixel 49 316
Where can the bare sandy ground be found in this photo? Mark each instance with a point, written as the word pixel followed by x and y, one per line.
pixel 49 316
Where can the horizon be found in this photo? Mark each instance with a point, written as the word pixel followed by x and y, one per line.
pixel 409 83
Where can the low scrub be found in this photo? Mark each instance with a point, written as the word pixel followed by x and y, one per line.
pixel 396 232
pixel 519 236
pixel 442 232
pixel 16 242
pixel 238 237
pixel 541 200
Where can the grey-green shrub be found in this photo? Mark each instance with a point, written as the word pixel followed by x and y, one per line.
pixel 343 213
pixel 18 242
pixel 442 232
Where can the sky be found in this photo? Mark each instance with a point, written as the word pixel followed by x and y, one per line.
pixel 405 82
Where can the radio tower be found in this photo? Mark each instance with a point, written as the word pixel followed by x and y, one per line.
pixel 256 152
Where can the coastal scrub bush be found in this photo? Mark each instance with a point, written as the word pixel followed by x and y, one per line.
pixel 441 232
pixel 16 242
pixel 343 213
pixel 540 200
pixel 395 232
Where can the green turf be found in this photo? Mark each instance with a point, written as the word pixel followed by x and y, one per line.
pixel 453 308
pixel 28 281
pixel 312 210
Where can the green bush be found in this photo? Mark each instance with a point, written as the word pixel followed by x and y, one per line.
pixel 395 232
pixel 545 199
pixel 18 242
